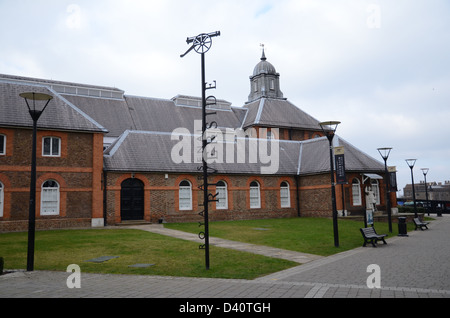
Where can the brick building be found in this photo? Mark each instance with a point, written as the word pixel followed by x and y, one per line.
pixel 69 161
pixel 105 157
pixel 437 191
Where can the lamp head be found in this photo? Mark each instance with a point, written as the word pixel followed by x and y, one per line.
pixel 425 171
pixel 411 162
pixel 384 152
pixel 36 96
pixel 44 98
pixel 329 127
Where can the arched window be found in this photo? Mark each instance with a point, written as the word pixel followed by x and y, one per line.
pixel 255 195
pixel 222 191
pixel 185 195
pixel 375 189
pixel 1 200
pixel 356 192
pixel 285 197
pixel 50 198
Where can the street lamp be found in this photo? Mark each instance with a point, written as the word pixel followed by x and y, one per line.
pixel 411 163
pixel 329 129
pixel 425 171
pixel 384 152
pixel 35 113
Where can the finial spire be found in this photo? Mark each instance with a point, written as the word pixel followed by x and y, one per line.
pixel 263 57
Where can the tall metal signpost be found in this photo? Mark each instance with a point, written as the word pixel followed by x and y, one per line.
pixel 201 44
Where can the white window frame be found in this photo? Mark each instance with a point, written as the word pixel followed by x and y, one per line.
pixel 356 193
pixel 255 195
pixel 51 152
pixel 185 196
pixel 50 198
pixel 222 196
pixel 2 187
pixel 3 149
pixel 285 195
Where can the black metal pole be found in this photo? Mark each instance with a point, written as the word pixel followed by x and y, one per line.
pixel 426 193
pixel 388 197
pixel 414 192
pixel 205 166
pixel 333 193
pixel 32 206
pixel 35 114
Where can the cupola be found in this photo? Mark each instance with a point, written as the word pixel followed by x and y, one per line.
pixel 265 81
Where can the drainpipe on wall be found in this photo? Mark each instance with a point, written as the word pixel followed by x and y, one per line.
pixel 298 194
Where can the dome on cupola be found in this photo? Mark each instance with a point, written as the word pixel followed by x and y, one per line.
pixel 264 67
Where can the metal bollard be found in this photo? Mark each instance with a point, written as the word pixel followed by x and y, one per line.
pixel 402 231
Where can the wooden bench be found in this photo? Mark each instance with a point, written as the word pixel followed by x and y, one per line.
pixel 370 236
pixel 420 224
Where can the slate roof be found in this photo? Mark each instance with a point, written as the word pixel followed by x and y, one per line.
pixel 152 114
pixel 281 113
pixel 60 114
pixel 144 151
pixel 143 128
pixel 111 113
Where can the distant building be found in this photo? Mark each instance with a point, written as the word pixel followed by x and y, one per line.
pixel 105 157
pixel 437 191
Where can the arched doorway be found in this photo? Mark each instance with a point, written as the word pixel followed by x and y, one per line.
pixel 132 200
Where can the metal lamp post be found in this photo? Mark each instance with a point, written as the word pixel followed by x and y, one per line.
pixel 329 129
pixel 35 113
pixel 384 152
pixel 425 171
pixel 411 163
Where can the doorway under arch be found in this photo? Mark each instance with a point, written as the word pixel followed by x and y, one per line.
pixel 132 200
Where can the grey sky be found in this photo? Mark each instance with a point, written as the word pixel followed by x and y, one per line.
pixel 378 66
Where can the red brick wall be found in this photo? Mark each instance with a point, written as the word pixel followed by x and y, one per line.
pixel 161 197
pixel 78 172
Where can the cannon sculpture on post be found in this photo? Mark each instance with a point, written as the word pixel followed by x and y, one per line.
pixel 201 44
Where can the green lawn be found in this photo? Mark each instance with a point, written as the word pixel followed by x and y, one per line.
pixel 308 235
pixel 55 250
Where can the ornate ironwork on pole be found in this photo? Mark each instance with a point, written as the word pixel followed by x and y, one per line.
pixel 202 44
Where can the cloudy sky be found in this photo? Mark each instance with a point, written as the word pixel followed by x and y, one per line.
pixel 381 67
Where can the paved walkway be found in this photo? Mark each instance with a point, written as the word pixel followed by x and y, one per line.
pixel 414 266
pixel 298 257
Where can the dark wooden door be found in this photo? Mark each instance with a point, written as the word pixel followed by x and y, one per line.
pixel 132 200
